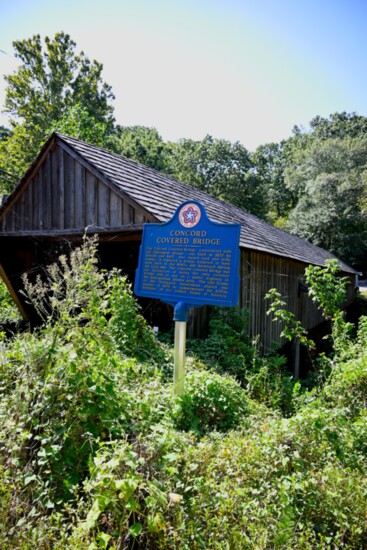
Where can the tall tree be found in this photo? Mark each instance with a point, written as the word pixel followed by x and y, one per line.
pixel 141 144
pixel 219 167
pixel 269 163
pixel 332 212
pixel 51 81
pixel 338 125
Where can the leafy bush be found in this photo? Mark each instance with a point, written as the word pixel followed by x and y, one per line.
pixel 135 496
pixel 73 384
pixel 269 382
pixel 210 402
pixel 227 348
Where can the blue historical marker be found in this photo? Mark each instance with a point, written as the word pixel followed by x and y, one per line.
pixel 189 261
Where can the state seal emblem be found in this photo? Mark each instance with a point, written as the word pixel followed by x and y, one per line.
pixel 190 215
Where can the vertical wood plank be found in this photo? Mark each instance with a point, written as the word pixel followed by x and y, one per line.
pixel 90 200
pixel 79 195
pixel 103 205
pixel 115 210
pixel 34 184
pixel 69 184
pixel 46 194
pixel 131 215
pixel 125 213
pixel 10 218
pixel 61 187
pixel 55 190
pixel 22 212
pixel 40 220
pixel 138 218
pixel 28 207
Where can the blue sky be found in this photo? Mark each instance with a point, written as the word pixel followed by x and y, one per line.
pixel 242 70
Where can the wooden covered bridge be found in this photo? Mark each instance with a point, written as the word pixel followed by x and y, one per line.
pixel 73 187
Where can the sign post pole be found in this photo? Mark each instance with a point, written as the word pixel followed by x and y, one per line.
pixel 180 317
pixel 180 355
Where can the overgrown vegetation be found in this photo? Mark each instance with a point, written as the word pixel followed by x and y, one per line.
pixel 9 311
pixel 96 453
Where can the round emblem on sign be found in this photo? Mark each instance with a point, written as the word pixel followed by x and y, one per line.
pixel 190 215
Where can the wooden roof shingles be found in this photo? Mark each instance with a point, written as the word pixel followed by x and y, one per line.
pixel 161 195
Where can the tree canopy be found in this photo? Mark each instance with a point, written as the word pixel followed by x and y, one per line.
pixel 331 211
pixel 141 144
pixel 220 168
pixel 315 184
pixel 53 88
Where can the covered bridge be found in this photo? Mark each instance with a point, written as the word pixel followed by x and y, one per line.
pixel 73 187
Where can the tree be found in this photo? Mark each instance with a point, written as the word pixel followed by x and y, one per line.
pixel 141 144
pixel 300 151
pixel 41 95
pixel 5 133
pixel 339 125
pixel 269 167
pixel 220 168
pixel 331 212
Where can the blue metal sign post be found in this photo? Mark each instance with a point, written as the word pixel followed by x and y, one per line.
pixel 188 262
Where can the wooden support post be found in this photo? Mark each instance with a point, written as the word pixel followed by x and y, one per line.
pixel 296 357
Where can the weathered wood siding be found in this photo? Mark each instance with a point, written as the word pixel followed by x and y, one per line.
pixel 64 195
pixel 259 273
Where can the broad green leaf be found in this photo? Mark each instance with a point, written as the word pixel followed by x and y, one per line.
pixel 136 529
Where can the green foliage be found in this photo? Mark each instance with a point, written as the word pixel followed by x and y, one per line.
pixel 141 144
pixel 81 124
pixel 227 348
pixel 54 88
pixel 330 178
pixel 9 312
pixel 270 383
pixel 328 290
pixel 95 452
pixel 269 169
pixel 210 402
pixel 291 327
pixel 220 168
pixel 339 125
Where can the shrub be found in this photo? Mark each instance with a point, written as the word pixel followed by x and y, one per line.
pixel 210 402
pixel 227 349
pixel 268 382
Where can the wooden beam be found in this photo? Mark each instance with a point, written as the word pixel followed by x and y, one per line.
pixel 12 292
pixel 89 230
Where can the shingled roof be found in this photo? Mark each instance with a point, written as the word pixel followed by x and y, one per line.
pixel 161 195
